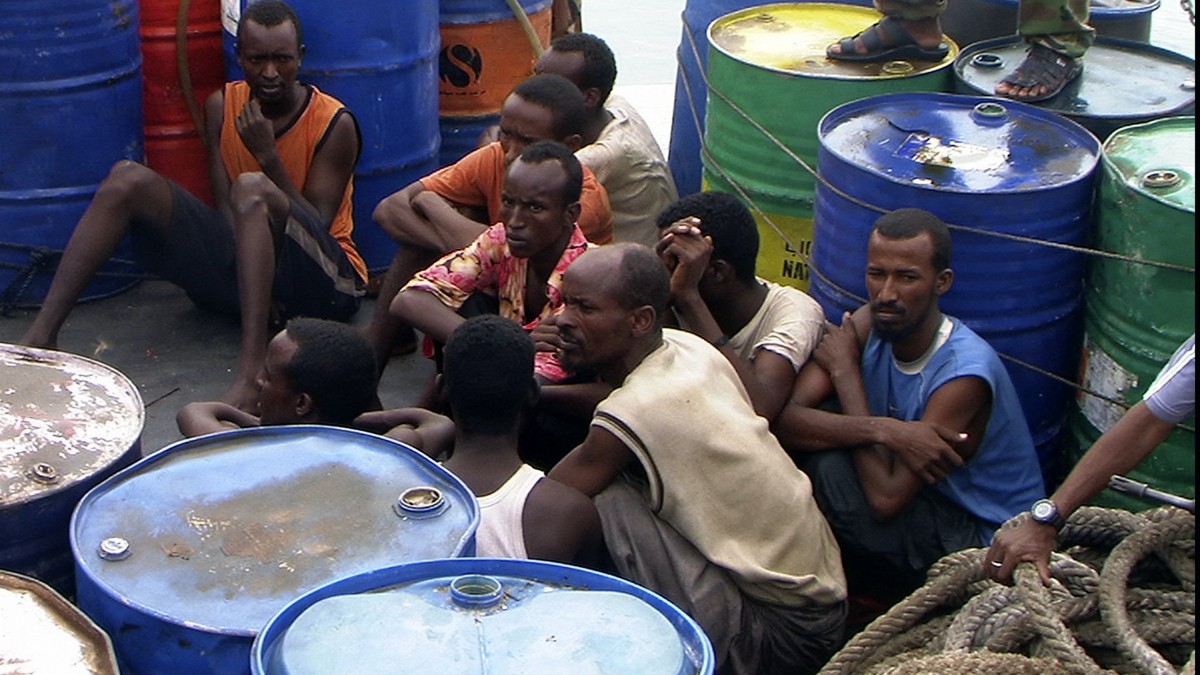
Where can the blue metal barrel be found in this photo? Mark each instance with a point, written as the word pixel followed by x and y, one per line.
pixel 485 52
pixel 992 169
pixel 691 92
pixel 184 556
pixel 71 101
pixel 1123 82
pixel 483 615
pixel 378 59
pixel 66 424
pixel 43 633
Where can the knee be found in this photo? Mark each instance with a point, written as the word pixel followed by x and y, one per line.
pixel 126 180
pixel 253 193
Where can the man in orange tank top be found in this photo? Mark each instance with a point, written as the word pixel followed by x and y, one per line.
pixel 281 160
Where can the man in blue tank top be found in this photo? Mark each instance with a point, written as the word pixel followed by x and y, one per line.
pixel 930 451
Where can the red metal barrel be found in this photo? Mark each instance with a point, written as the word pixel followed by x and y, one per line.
pixel 181 69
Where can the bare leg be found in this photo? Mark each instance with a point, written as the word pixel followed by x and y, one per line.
pixel 260 214
pixel 130 196
pixel 385 328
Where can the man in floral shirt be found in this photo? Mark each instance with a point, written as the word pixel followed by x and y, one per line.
pixel 517 263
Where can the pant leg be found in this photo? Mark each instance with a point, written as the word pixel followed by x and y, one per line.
pixel 649 552
pixel 897 551
pixel 911 10
pixel 1060 25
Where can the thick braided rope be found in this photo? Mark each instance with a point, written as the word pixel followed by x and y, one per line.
pixel 1056 641
pixel 1115 576
pixel 949 578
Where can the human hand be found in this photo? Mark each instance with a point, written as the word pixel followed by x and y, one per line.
pixel 1030 541
pixel 927 448
pixel 545 335
pixel 838 352
pixel 256 131
pixel 686 252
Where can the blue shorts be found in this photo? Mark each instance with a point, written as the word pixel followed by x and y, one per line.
pixel 313 276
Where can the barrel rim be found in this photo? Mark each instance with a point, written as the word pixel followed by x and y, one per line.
pixel 202 443
pixel 53 601
pixel 959 99
pixel 1110 165
pixel 277 626
pixel 947 62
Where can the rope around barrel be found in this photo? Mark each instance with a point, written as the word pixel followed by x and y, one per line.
pixel 1136 614
pixel 693 89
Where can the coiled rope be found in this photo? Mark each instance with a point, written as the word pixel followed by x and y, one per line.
pixel 1136 614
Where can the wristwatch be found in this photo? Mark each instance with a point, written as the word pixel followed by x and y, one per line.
pixel 1046 512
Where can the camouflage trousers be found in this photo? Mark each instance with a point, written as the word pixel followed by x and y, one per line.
pixel 1060 25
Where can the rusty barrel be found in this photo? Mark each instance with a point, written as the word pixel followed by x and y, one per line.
pixel 185 555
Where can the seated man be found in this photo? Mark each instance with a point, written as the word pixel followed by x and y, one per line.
pixel 1169 400
pixel 522 513
pixel 617 143
pixel 425 218
pixel 931 452
pixel 278 244
pixel 767 331
pixel 519 261
pixel 698 502
pixel 320 372
pixel 315 372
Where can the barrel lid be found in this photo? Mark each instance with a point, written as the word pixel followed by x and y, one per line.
pixel 1157 159
pixel 524 621
pixel 959 143
pixel 792 37
pixel 43 633
pixel 1121 79
pixel 63 418
pixel 221 531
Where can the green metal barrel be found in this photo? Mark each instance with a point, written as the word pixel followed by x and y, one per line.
pixel 769 85
pixel 1136 314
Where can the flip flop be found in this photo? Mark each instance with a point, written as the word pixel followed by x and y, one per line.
pixel 1046 67
pixel 886 41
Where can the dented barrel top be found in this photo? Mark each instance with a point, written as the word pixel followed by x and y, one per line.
pixel 792 37
pixel 960 143
pixel 43 633
pixel 63 418
pixel 219 532
pixel 1158 159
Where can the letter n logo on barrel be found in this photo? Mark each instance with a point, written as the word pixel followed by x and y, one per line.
pixel 460 65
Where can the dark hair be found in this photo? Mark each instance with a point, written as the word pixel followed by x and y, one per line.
pixel 553 151
pixel 724 218
pixel 599 64
pixel 488 371
pixel 910 223
pixel 335 365
pixel 561 97
pixel 269 13
pixel 643 279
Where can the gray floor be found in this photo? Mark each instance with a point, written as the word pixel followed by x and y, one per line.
pixel 175 353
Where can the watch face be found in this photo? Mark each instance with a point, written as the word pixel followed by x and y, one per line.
pixel 1043 511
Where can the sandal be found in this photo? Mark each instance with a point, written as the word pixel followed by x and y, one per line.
pixel 1042 67
pixel 886 41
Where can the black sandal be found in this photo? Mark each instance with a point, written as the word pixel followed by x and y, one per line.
pixel 886 40
pixel 1045 67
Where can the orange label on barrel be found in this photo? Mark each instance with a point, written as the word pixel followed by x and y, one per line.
pixel 479 64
